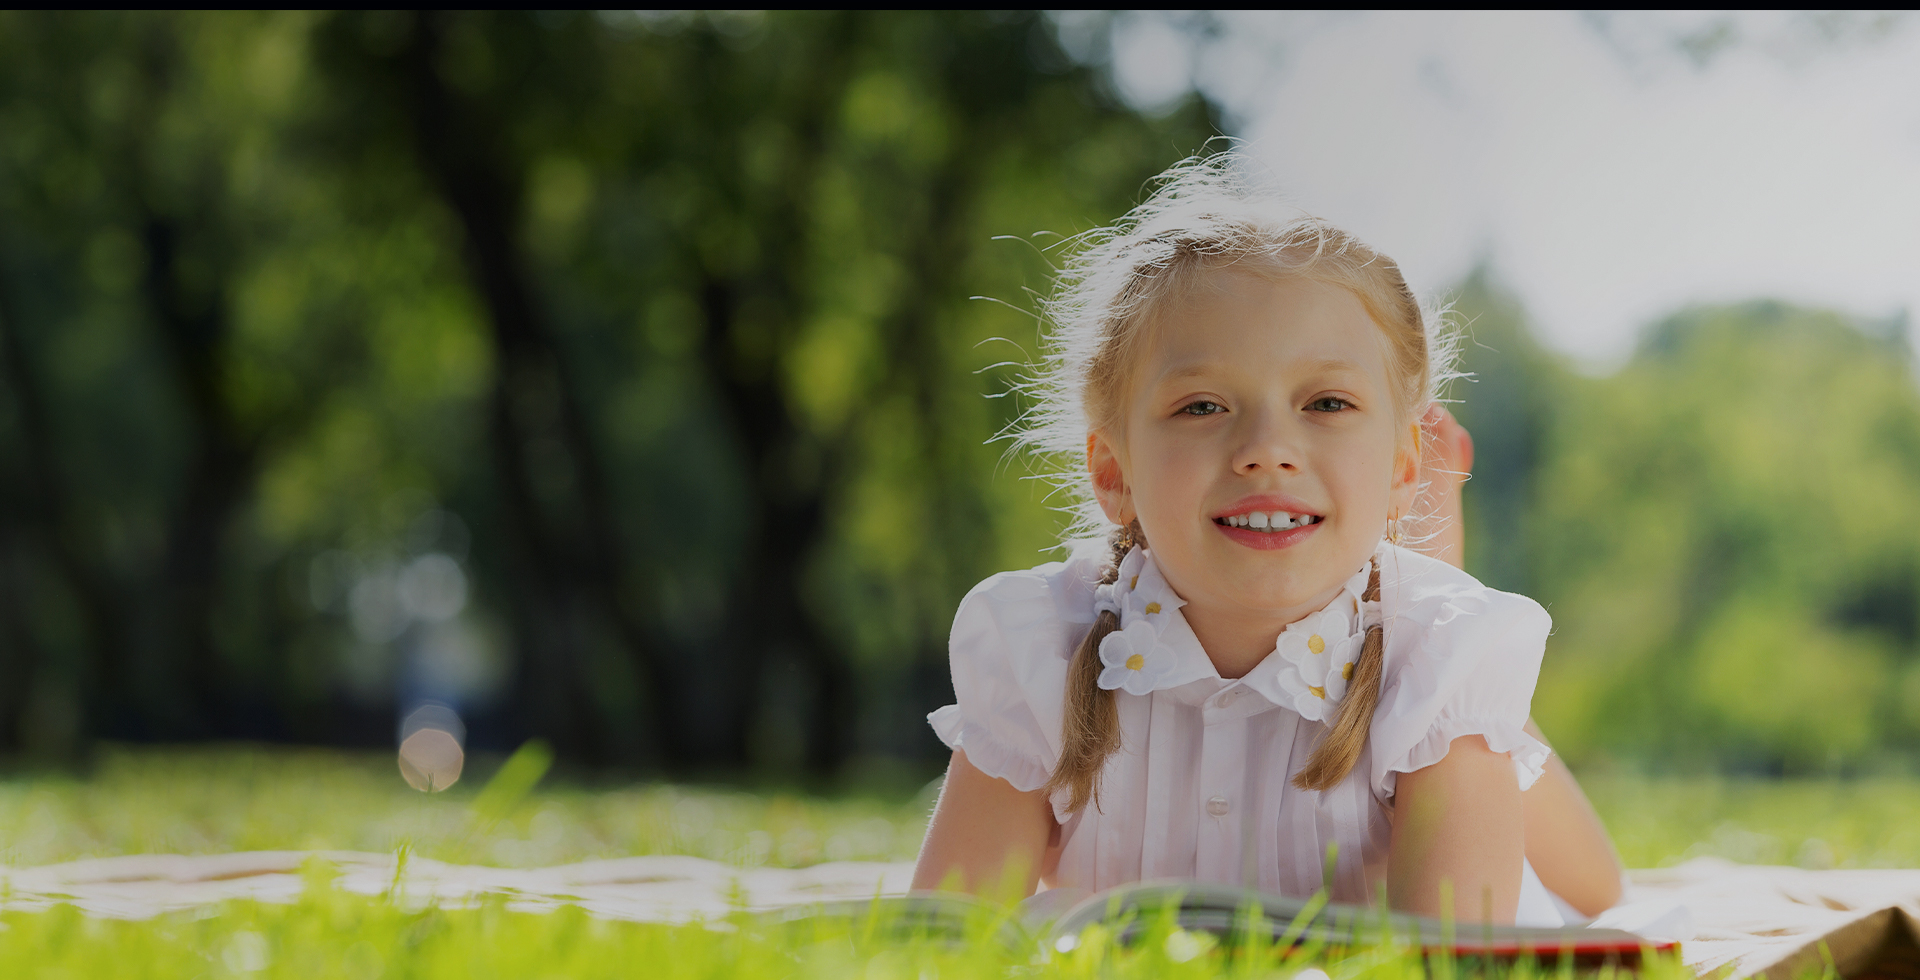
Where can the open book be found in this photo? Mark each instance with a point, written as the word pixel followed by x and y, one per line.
pixel 1058 919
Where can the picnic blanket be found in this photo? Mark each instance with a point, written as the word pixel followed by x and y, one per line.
pixel 1761 921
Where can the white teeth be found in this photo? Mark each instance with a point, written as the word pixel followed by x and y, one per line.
pixel 1278 520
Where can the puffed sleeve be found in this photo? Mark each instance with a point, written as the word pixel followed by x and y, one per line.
pixel 1461 659
pixel 1012 638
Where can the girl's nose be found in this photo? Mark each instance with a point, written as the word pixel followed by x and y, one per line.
pixel 1268 441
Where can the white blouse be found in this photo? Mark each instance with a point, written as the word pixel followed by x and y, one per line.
pixel 1200 787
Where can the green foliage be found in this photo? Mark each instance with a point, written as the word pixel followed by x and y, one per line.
pixel 1720 531
pixel 673 312
pixel 659 326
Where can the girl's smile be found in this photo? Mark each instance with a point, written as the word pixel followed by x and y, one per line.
pixel 1261 449
pixel 1268 522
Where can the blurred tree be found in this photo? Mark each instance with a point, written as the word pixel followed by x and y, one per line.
pixel 1719 530
pixel 1508 400
pixel 671 309
pixel 614 377
pixel 135 147
pixel 796 203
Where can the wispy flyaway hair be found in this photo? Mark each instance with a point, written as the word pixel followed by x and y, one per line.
pixel 1205 214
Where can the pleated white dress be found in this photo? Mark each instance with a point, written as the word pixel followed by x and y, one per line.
pixel 1201 786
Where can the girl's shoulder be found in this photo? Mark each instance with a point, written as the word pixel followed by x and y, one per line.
pixel 1030 611
pixel 1430 599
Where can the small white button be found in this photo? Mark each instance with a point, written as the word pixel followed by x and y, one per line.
pixel 1229 697
pixel 1218 806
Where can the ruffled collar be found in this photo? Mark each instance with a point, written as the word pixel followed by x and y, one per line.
pixel 1155 650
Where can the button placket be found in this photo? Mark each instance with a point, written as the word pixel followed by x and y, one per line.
pixel 1222 770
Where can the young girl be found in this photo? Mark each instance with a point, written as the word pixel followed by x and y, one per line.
pixel 1256 667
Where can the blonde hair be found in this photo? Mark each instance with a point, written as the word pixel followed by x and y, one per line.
pixel 1205 215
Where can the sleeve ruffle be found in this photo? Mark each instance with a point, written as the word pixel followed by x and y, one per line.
pixel 1008 651
pixel 1529 754
pixel 1461 659
pixel 987 753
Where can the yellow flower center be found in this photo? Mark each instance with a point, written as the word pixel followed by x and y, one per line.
pixel 1319 692
pixel 1316 644
pixel 1133 583
pixel 1136 662
pixel 1346 673
pixel 1152 607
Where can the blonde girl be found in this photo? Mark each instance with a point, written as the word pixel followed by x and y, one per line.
pixel 1253 666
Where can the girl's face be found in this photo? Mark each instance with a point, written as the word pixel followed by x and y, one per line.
pixel 1257 402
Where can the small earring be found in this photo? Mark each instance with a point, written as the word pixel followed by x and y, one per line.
pixel 1394 532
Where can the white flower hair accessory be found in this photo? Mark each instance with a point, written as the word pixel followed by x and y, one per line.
pixel 1318 652
pixel 1132 657
pixel 1131 660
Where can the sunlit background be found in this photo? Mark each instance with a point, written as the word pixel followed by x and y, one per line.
pixel 433 382
pixel 1611 167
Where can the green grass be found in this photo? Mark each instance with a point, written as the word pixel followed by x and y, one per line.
pixel 1814 823
pixel 225 799
pixel 203 801
pixel 331 935
pixel 199 801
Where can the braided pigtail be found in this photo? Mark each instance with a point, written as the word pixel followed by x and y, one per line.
pixel 1340 749
pixel 1090 731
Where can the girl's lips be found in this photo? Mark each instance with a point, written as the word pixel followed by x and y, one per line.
pixel 1267 540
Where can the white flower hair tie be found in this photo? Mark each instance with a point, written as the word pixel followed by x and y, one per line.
pixel 1321 652
pixel 1132 657
pixel 1132 660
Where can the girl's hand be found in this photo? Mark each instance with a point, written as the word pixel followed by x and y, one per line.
pixel 1439 526
pixel 1458 829
pixel 986 838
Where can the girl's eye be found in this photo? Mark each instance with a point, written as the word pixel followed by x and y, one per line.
pixel 1202 408
pixel 1329 404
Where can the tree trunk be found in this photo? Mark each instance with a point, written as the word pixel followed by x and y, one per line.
pixel 193 331
pixel 566 534
pixel 44 525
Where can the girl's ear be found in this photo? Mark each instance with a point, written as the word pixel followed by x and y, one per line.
pixel 1406 473
pixel 1109 478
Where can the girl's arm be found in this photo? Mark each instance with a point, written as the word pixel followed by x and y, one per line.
pixel 1566 841
pixel 1458 822
pixel 986 837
